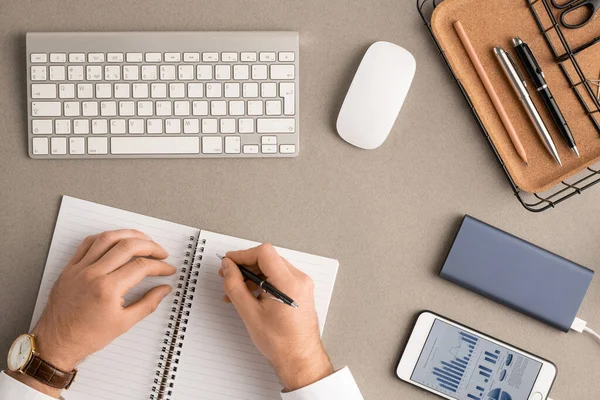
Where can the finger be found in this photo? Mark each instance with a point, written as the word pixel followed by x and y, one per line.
pixel 266 257
pixel 83 248
pixel 139 310
pixel 252 287
pixel 235 288
pixel 132 273
pixel 127 249
pixel 293 269
pixel 107 240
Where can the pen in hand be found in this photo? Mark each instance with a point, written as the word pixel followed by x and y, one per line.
pixel 264 285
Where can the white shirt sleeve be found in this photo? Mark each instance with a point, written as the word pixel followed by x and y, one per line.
pixel 338 386
pixel 12 389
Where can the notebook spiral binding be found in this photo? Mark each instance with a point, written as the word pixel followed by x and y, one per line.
pixel 168 363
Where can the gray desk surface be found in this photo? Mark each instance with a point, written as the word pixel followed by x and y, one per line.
pixel 387 215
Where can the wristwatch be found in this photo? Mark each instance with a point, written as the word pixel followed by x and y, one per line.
pixel 24 358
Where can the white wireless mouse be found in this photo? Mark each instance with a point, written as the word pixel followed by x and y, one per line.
pixel 376 95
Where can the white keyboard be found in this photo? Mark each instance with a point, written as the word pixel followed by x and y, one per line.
pixel 162 94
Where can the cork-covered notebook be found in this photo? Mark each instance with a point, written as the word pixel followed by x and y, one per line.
pixel 493 23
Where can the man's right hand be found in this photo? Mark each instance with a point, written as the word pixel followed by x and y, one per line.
pixel 288 337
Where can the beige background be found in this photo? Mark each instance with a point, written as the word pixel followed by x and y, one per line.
pixel 388 215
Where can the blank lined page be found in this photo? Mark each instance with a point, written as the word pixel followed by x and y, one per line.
pixel 126 368
pixel 218 360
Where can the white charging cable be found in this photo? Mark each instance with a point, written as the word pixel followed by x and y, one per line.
pixel 580 326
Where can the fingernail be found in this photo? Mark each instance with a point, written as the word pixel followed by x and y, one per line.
pixel 225 266
pixel 167 290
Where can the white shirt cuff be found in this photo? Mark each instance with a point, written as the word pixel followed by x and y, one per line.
pixel 338 386
pixel 12 389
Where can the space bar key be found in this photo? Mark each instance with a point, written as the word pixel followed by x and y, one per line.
pixel 155 145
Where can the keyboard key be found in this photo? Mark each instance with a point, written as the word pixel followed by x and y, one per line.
pixel 81 126
pixel 85 91
pixel 268 89
pixel 195 90
pixel 57 73
pixel 131 72
pixel 75 73
pixel 268 149
pixel 229 57
pixel 227 125
pixel 158 90
pixel 108 108
pixel 210 57
pixel 155 145
pixel 76 58
pixel 176 90
pixel 213 90
pixel 200 107
pixel 114 57
pixel 164 109
pixel 250 90
pixel 236 107
pixel 122 91
pixel 154 126
pixel 134 57
pixel 182 108
pixel 259 72
pixel 90 109
pixel 96 57
pixel 42 126
pixel 77 145
pixel 173 125
pixel 62 127
pixel 186 72
pixel 153 57
pixel 40 146
pixel 191 125
pixel 268 140
pixel 118 126
pixel 126 108
pixel 250 149
pixel 241 72
pixel 58 145
pixel 97 145
pixel 66 91
pixel 149 72
pixel 172 57
pixel 204 72
pixel 255 107
pixel 191 57
pixel 103 90
pixel 43 91
pixel 287 56
pixel 99 127
pixel 232 90
pixel 282 72
pixel 287 91
pixel 140 90
pixel 276 125
pixel 267 57
pixel 72 108
pixel 246 125
pixel 94 72
pixel 112 73
pixel 58 58
pixel 273 107
pixel 248 57
pixel 145 108
pixel 232 144
pixel 38 73
pixel 212 145
pixel 209 125
pixel 46 108
pixel 218 108
pixel 223 72
pixel 136 126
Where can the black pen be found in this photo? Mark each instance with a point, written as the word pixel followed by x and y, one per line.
pixel 537 76
pixel 264 285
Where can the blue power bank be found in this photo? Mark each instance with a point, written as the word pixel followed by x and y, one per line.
pixel 516 273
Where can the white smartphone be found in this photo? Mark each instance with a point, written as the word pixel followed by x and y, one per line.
pixel 456 362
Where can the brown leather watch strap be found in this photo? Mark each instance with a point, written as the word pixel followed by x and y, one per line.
pixel 48 373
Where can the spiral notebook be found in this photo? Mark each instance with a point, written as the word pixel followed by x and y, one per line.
pixel 193 346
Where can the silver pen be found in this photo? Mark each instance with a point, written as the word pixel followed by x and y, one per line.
pixel 520 87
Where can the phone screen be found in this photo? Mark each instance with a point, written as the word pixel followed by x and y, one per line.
pixel 468 367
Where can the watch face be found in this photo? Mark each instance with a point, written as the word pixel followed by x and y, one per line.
pixel 20 353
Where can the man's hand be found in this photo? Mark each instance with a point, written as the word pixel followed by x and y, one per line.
pixel 288 337
pixel 86 308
